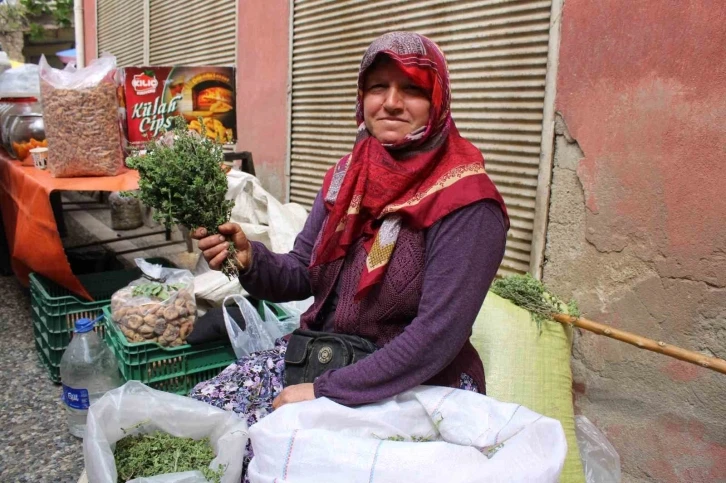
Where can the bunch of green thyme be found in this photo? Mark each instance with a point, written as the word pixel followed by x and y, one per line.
pixel 160 453
pixel 180 176
pixel 529 293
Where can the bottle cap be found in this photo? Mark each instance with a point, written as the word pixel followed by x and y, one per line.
pixel 84 325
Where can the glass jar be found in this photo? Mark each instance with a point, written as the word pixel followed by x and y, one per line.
pixel 4 107
pixel 26 106
pixel 26 132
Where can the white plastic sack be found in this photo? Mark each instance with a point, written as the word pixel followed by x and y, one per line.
pixel 478 439
pixel 134 403
pixel 599 459
pixel 263 218
pixel 259 335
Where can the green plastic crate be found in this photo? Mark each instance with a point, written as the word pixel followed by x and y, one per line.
pixel 55 309
pixel 57 301
pixel 171 369
pixel 58 330
pixel 44 357
pixel 50 355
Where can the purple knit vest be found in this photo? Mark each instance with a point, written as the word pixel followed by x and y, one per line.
pixel 388 307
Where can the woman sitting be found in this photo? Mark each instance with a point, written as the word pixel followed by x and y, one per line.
pixel 400 247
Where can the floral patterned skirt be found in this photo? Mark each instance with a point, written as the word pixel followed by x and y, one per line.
pixel 249 386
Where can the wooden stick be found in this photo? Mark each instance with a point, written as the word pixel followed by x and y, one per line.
pixel 714 363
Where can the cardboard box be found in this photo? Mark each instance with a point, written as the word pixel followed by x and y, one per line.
pixel 151 96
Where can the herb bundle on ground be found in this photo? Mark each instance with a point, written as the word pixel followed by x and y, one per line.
pixel 160 453
pixel 181 177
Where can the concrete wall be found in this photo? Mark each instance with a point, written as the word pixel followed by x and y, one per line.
pixel 262 87
pixel 262 84
pixel 637 229
pixel 90 42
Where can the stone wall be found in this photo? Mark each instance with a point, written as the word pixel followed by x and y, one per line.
pixel 637 229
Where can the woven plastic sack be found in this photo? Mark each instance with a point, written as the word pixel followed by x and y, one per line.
pixel 125 211
pixel 118 413
pixel 467 438
pixel 527 367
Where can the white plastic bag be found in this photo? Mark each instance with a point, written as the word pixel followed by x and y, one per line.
pixel 259 334
pixel 133 403
pixel 293 312
pixel 599 459
pixel 475 439
pixel 263 218
pixel 21 81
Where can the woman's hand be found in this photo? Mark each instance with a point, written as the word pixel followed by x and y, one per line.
pixel 293 394
pixel 214 247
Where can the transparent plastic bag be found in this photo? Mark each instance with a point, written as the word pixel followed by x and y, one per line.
pixel 599 458
pixel 166 317
pixel 135 408
pixel 259 334
pixel 80 111
pixel 293 311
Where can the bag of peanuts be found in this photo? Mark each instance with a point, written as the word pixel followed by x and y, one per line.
pixel 80 115
pixel 158 307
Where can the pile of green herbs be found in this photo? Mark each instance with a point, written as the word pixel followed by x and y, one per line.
pixel 159 453
pixel 430 438
pixel 532 295
pixel 161 291
pixel 181 177
pixel 412 439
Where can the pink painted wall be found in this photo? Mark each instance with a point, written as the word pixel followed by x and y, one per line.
pixel 89 29
pixel 262 86
pixel 642 89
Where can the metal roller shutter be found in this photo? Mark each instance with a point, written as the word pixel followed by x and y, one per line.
pixel 193 32
pixel 165 32
pixel 497 53
pixel 121 30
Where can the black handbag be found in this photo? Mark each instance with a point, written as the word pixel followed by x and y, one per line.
pixel 310 354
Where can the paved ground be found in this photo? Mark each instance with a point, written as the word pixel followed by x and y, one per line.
pixel 35 445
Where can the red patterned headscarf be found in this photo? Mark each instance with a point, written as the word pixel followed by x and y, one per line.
pixel 432 172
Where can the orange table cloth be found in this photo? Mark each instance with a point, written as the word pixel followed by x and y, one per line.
pixel 33 239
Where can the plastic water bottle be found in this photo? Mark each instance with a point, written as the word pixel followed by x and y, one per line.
pixel 88 369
